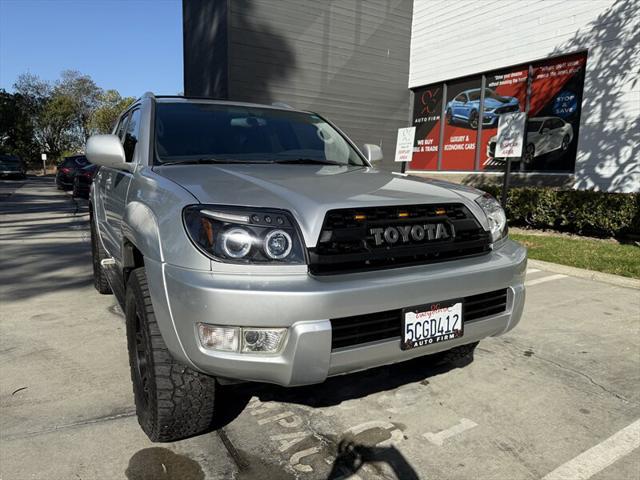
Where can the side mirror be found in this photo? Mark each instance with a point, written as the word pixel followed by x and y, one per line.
pixel 372 152
pixel 107 151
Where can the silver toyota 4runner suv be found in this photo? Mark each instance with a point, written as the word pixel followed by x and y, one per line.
pixel 257 243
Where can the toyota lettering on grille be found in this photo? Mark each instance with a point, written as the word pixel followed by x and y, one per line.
pixel 409 233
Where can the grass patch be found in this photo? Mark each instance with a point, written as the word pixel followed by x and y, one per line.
pixel 599 255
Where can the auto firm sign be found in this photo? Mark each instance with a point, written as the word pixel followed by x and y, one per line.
pixel 510 138
pixel 404 145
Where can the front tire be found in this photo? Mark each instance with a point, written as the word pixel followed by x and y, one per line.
pixel 172 401
pixel 449 117
pixel 98 253
pixel 473 119
pixel 529 154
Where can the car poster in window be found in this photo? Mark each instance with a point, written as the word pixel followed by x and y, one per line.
pixel 462 114
pixel 505 92
pixel 427 110
pixel 554 114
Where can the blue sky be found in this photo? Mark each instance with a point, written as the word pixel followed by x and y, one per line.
pixel 130 45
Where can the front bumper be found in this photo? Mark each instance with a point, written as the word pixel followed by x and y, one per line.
pixel 304 303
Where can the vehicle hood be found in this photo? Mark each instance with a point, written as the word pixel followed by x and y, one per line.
pixel 491 102
pixel 309 191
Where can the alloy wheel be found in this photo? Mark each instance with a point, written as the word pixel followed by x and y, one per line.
pixel 142 362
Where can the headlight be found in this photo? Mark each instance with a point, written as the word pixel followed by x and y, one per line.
pixel 241 235
pixel 495 215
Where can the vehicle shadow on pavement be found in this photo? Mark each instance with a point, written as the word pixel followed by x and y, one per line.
pixel 336 390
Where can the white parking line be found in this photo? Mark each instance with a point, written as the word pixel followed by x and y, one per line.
pixel 533 270
pixel 543 280
pixel 439 438
pixel 588 463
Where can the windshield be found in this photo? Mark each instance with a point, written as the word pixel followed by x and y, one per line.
pixel 534 125
pixel 9 159
pixel 474 95
pixel 74 162
pixel 231 133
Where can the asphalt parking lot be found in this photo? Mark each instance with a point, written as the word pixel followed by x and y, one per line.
pixel 558 397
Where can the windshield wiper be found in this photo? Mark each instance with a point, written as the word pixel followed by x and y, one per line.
pixel 307 161
pixel 210 160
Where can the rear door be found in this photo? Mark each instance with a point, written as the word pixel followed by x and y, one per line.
pixel 117 184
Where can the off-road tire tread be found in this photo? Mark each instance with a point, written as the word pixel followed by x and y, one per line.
pixel 100 281
pixel 182 400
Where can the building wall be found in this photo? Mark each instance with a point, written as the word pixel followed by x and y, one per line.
pixel 345 59
pixel 455 39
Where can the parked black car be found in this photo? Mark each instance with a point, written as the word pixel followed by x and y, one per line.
pixel 67 169
pixel 12 166
pixel 83 179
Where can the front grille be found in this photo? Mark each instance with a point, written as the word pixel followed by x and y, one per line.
pixel 347 245
pixel 510 108
pixel 359 329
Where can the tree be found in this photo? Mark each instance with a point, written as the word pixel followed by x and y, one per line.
pixel 84 93
pixel 54 126
pixel 63 114
pixel 16 128
pixel 104 117
pixel 34 91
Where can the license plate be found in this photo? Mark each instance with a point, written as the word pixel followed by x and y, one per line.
pixel 431 323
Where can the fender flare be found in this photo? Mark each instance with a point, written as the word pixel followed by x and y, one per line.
pixel 140 226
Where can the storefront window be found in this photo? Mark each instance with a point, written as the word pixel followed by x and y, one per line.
pixel 462 116
pixel 427 110
pixel 553 111
pixel 506 91
pixel 556 98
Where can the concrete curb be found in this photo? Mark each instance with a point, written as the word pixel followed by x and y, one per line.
pixel 588 274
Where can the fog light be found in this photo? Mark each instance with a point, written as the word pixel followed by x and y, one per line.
pixel 219 338
pixel 265 340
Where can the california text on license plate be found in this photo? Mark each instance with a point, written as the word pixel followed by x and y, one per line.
pixel 431 323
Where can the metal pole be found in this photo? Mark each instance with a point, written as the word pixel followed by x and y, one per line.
pixel 403 167
pixel 507 169
pixel 505 182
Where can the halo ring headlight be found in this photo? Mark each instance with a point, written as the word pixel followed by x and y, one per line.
pixel 277 244
pixel 236 242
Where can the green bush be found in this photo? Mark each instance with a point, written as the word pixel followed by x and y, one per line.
pixel 581 212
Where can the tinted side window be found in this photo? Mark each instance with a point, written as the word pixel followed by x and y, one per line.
pixel 461 98
pixel 557 123
pixel 132 134
pixel 121 127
